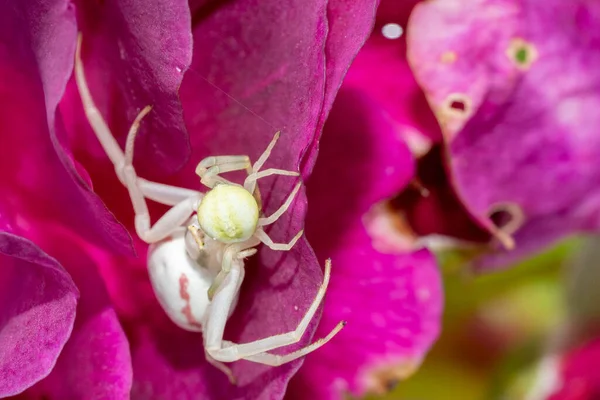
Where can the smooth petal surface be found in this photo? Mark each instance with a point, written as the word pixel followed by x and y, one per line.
pixel 95 362
pixel 36 52
pixel 515 85
pixel 391 300
pixel 381 70
pixel 135 54
pixel 38 301
pixel 349 24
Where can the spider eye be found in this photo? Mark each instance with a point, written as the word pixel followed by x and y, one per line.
pixel 228 213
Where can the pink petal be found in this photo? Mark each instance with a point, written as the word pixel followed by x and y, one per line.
pixel 521 133
pixel 38 301
pixel 38 178
pixel 95 362
pixel 579 377
pixel 392 301
pixel 135 54
pixel 381 70
pixel 349 24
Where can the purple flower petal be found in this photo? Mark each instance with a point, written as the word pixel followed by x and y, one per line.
pixel 515 86
pixel 392 301
pixel 38 301
pixel 39 179
pixel 135 54
pixel 349 24
pixel 95 362
pixel 246 83
pixel 578 376
pixel 381 70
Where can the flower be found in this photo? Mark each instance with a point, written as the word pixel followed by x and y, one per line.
pixel 244 83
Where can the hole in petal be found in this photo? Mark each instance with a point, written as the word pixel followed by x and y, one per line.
pixel 452 114
pixel 458 105
pixel 522 53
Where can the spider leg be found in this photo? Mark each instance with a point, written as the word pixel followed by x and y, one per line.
pixel 265 155
pixel 250 182
pixel 209 169
pixel 172 220
pixel 221 367
pixel 254 174
pixel 275 216
pixel 231 253
pixel 184 201
pixel 165 194
pixel 224 351
pixel 263 237
pixel 175 218
pixel 276 360
pixel 101 129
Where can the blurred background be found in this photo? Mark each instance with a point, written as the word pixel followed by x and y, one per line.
pixel 497 327
pixel 526 330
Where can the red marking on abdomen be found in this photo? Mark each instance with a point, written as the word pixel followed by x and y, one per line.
pixel 185 296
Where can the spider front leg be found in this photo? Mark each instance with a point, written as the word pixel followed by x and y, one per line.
pixel 258 350
pixel 210 168
pixel 250 185
pixel 184 201
pixel 254 175
pixel 174 218
pixel 221 367
pixel 231 254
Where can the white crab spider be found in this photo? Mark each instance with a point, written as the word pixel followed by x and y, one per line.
pixel 185 264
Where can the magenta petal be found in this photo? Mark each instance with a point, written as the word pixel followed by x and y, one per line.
pixel 135 54
pixel 37 310
pixel 392 302
pixel 95 362
pixel 253 85
pixel 579 374
pixel 38 179
pixel 349 25
pixel 381 70
pixel 246 82
pixel 516 86
pixel 393 307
